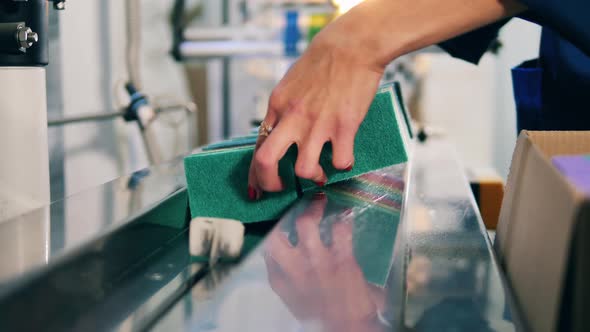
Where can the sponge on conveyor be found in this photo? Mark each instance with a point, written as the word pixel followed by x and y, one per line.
pixel 232 143
pixel 381 141
pixel 217 181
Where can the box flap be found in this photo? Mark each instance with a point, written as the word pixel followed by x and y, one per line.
pixel 553 143
pixel 523 144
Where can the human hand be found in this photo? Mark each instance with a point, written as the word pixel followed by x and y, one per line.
pixel 326 94
pixel 323 98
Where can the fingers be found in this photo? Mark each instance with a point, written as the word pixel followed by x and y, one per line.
pixel 264 168
pixel 254 190
pixel 294 123
pixel 264 175
pixel 343 146
pixel 264 162
pixel 264 172
pixel 307 165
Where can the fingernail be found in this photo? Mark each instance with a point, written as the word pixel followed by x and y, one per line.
pixel 349 168
pixel 251 193
pixel 347 212
pixel 318 196
pixel 320 183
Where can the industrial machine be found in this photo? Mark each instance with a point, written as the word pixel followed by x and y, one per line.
pixel 320 267
pixel 24 178
pixel 24 173
pixel 399 249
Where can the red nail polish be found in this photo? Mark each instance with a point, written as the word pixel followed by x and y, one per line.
pixel 320 183
pixel 348 169
pixel 251 193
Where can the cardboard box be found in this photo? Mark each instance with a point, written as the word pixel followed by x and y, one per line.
pixel 488 189
pixel 543 233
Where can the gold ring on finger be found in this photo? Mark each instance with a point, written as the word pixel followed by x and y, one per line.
pixel 264 129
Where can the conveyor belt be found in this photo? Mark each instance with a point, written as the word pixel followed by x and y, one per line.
pixel 351 257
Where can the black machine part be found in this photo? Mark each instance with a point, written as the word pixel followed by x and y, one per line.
pixel 23 33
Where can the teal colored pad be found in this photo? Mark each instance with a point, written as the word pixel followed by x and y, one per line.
pixel 374 228
pixel 378 144
pixel 247 137
pixel 373 240
pixel 217 186
pixel 170 213
pixel 233 143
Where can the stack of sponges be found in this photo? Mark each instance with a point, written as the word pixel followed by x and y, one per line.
pixel 217 179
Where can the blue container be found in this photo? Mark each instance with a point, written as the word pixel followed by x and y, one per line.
pixel 292 33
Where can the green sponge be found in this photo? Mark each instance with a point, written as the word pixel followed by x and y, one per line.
pixel 217 186
pixel 232 143
pixel 380 141
pixel 217 179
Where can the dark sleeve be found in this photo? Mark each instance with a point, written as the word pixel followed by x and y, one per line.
pixel 471 46
pixel 570 18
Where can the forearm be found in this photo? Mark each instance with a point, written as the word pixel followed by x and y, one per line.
pixel 379 31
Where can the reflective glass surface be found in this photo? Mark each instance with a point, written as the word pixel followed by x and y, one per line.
pixel 35 241
pixel 401 248
pixel 352 259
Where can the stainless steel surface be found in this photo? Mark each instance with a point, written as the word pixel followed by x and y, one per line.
pixel 32 37
pixel 443 275
pixel 104 259
pixel 55 109
pixel 453 280
pixel 60 121
pixel 348 259
pixel 188 107
pixel 191 50
pixel 24 170
pixel 81 218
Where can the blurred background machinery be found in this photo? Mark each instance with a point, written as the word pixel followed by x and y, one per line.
pixel 131 83
pixel 106 88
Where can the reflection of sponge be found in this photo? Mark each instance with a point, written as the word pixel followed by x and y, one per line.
pixel 373 239
pixel 375 200
pixel 379 142
pixel 217 186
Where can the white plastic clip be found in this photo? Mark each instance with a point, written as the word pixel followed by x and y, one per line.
pixel 216 238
